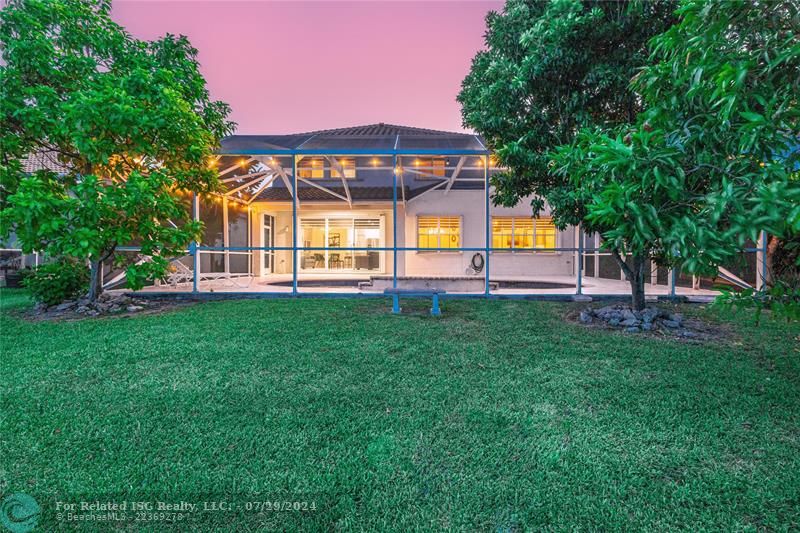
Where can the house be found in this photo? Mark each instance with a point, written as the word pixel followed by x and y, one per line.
pixel 362 190
pixel 363 208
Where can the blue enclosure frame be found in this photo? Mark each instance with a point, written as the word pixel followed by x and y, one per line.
pixel 579 250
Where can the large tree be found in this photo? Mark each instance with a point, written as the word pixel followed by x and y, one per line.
pixel 131 121
pixel 549 70
pixel 709 161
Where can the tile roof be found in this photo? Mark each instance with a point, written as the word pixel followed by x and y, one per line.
pixel 381 129
pixel 43 161
pixel 380 137
pixel 312 194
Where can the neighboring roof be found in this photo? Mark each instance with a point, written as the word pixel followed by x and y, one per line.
pixel 378 138
pixel 43 161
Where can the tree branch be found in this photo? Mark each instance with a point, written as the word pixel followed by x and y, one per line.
pixel 622 264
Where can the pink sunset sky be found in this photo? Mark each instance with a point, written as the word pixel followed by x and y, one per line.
pixel 294 66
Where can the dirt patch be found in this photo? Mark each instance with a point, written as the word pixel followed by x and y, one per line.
pixel 653 321
pixel 108 304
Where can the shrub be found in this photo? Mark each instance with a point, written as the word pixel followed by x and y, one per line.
pixel 55 282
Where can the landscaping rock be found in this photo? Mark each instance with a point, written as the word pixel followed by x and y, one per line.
pixel 676 317
pixel 64 306
pixel 650 319
pixel 134 308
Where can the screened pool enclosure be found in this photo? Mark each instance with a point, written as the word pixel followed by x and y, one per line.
pixel 358 210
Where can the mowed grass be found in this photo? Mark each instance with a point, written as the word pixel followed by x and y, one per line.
pixel 500 415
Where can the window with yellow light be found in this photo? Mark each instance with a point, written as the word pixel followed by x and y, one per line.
pixel 523 233
pixel 437 232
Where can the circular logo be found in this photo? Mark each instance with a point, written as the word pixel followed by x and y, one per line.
pixel 19 512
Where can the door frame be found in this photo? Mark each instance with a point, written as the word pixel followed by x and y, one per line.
pixel 264 253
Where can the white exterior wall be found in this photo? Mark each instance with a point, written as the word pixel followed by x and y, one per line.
pixel 469 205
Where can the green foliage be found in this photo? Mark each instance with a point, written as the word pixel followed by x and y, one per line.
pixel 781 298
pixel 131 121
pixel 709 163
pixel 681 166
pixel 782 294
pixel 56 281
pixel 551 68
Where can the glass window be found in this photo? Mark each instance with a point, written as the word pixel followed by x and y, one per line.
pixel 435 166
pixel 348 164
pixel 544 233
pixel 311 168
pixel 333 235
pixel 439 232
pixel 316 167
pixel 523 233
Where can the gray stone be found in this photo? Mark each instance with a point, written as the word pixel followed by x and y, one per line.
pixel 671 324
pixel 614 322
pixel 82 309
pixel 632 329
pixel 607 310
pixel 676 317
pixel 647 326
pixel 627 314
pixel 585 317
pixel 630 322
pixel 134 308
pixel 650 314
pixel 64 306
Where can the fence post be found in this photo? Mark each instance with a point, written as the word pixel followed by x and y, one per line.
pixel 193 244
pixel 487 221
pixel 761 261
pixel 294 224
pixel 394 221
pixel 579 262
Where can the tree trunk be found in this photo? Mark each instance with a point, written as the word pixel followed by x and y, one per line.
pixel 635 276
pixel 637 283
pixel 95 286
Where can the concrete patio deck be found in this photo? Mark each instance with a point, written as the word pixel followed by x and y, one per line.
pixel 348 284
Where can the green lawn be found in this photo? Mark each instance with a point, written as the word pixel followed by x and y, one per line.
pixel 498 416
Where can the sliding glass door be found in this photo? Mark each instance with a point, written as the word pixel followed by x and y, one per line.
pixel 331 236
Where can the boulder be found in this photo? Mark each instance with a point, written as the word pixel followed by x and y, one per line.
pixel 632 329
pixel 671 324
pixel 585 317
pixel 629 322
